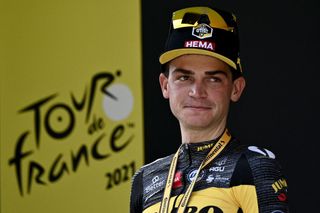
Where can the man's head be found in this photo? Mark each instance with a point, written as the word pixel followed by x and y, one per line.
pixel 202 71
pixel 203 31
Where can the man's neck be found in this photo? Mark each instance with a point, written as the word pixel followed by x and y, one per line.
pixel 201 135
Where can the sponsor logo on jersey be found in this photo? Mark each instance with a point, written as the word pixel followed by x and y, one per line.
pixel 204 147
pixel 192 174
pixel 280 188
pixel 216 179
pixel 210 178
pixel 200 44
pixel 157 182
pixel 177 180
pixel 221 162
pixel 205 209
pixel 216 169
pixel 279 185
pixel 202 31
pixel 262 151
pixel 282 197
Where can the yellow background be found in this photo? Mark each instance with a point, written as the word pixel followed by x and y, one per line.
pixel 56 47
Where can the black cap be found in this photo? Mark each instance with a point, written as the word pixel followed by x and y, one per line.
pixel 204 31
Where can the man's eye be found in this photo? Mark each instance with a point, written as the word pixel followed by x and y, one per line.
pixel 214 79
pixel 183 78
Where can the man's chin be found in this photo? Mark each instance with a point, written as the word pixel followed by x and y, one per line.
pixel 196 123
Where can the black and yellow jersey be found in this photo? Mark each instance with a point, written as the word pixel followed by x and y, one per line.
pixel 242 178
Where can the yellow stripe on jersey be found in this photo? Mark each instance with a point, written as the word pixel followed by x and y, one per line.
pixel 217 200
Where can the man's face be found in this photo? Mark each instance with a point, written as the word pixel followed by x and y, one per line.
pixel 199 89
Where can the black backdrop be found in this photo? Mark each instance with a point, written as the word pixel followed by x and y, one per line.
pixel 279 109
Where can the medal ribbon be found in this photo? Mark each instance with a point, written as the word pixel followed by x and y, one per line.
pixel 218 147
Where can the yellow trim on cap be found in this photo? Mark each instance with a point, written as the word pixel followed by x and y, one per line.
pixel 216 20
pixel 172 54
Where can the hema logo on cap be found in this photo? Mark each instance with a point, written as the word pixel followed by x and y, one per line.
pixel 202 31
pixel 200 44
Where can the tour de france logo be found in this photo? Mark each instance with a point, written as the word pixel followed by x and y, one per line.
pixel 100 114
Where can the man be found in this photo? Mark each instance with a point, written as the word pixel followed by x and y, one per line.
pixel 211 171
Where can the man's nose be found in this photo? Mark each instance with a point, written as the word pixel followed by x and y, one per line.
pixel 197 90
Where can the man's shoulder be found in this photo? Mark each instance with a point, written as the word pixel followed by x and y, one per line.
pixel 252 152
pixel 256 156
pixel 260 159
pixel 254 164
pixel 159 163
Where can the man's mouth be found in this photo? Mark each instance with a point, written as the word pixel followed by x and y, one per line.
pixel 197 107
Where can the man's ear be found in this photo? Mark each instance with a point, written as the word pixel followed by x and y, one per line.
pixel 238 86
pixel 164 85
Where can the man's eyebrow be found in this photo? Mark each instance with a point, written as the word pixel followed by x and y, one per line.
pixel 215 72
pixel 189 72
pixel 183 71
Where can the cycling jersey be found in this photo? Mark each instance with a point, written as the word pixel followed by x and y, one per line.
pixel 241 178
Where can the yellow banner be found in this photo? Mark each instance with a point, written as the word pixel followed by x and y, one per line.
pixel 71 105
